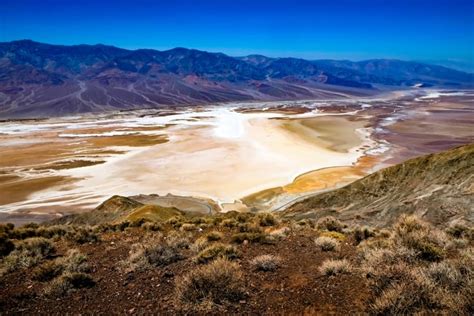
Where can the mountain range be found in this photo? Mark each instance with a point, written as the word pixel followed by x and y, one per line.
pixel 38 80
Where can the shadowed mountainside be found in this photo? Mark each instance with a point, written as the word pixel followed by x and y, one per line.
pixel 438 188
pixel 39 79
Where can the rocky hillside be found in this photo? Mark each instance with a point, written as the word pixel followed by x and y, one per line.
pixel 438 188
pixel 39 79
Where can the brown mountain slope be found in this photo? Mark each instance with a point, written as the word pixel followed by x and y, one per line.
pixel 110 210
pixel 438 188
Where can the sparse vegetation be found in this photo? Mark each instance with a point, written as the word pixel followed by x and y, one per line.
pixel 330 223
pixel 266 262
pixel 326 243
pixel 28 253
pixel 6 245
pixel 68 282
pixel 214 236
pixel 411 267
pixel 215 251
pixel 266 219
pixel 219 282
pixel 363 233
pixel 334 267
pixel 152 254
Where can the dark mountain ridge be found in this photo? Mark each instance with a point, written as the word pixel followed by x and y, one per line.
pixel 39 79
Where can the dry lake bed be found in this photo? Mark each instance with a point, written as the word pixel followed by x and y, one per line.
pixel 224 157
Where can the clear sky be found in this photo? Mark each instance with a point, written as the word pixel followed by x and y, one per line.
pixel 350 29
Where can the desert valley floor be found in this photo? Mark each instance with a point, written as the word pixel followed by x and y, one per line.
pixel 260 156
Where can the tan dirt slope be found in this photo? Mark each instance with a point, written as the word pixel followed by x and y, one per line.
pixel 438 188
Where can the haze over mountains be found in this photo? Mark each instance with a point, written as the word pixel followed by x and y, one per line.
pixel 39 79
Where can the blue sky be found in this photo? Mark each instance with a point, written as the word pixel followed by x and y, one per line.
pixel 349 29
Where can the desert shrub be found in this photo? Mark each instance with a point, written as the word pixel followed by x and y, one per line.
pixel 266 262
pixel 446 274
pixel 362 233
pixel 121 226
pixel 197 220
pixel 6 228
pixel 229 222
pixel 331 234
pixel 199 244
pixel 280 233
pixel 151 254
pixel 23 233
pixel 31 225
pixel 177 240
pixel 215 251
pixel 175 221
pixel 250 237
pixel 73 261
pixel 137 223
pixel 152 226
pixel 404 278
pixel 415 234
pixel 218 282
pixel 28 253
pixel 422 291
pixel 384 233
pixel 402 299
pixel 244 217
pixel 188 227
pixel 54 231
pixel 214 236
pixel 37 246
pixel 334 267
pixel 329 223
pixel 82 235
pixel 306 222
pixel 6 245
pixel 266 219
pixel 326 243
pixel 249 228
pixel 460 230
pixel 47 271
pixel 69 281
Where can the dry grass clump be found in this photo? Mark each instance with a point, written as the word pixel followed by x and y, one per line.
pixel 6 245
pixel 266 219
pixel 411 274
pixel 74 261
pixel 239 238
pixel 249 228
pixel 178 240
pixel 327 243
pixel 152 254
pixel 215 251
pixel 69 281
pixel 82 235
pixel 28 253
pixel 280 233
pixel 219 282
pixel 460 230
pixel 428 242
pixel 188 227
pixel 152 226
pixel 334 267
pixel 176 221
pixel 330 223
pixel 336 235
pixel 266 262
pixel 214 236
pixel 363 233
pixel 229 223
